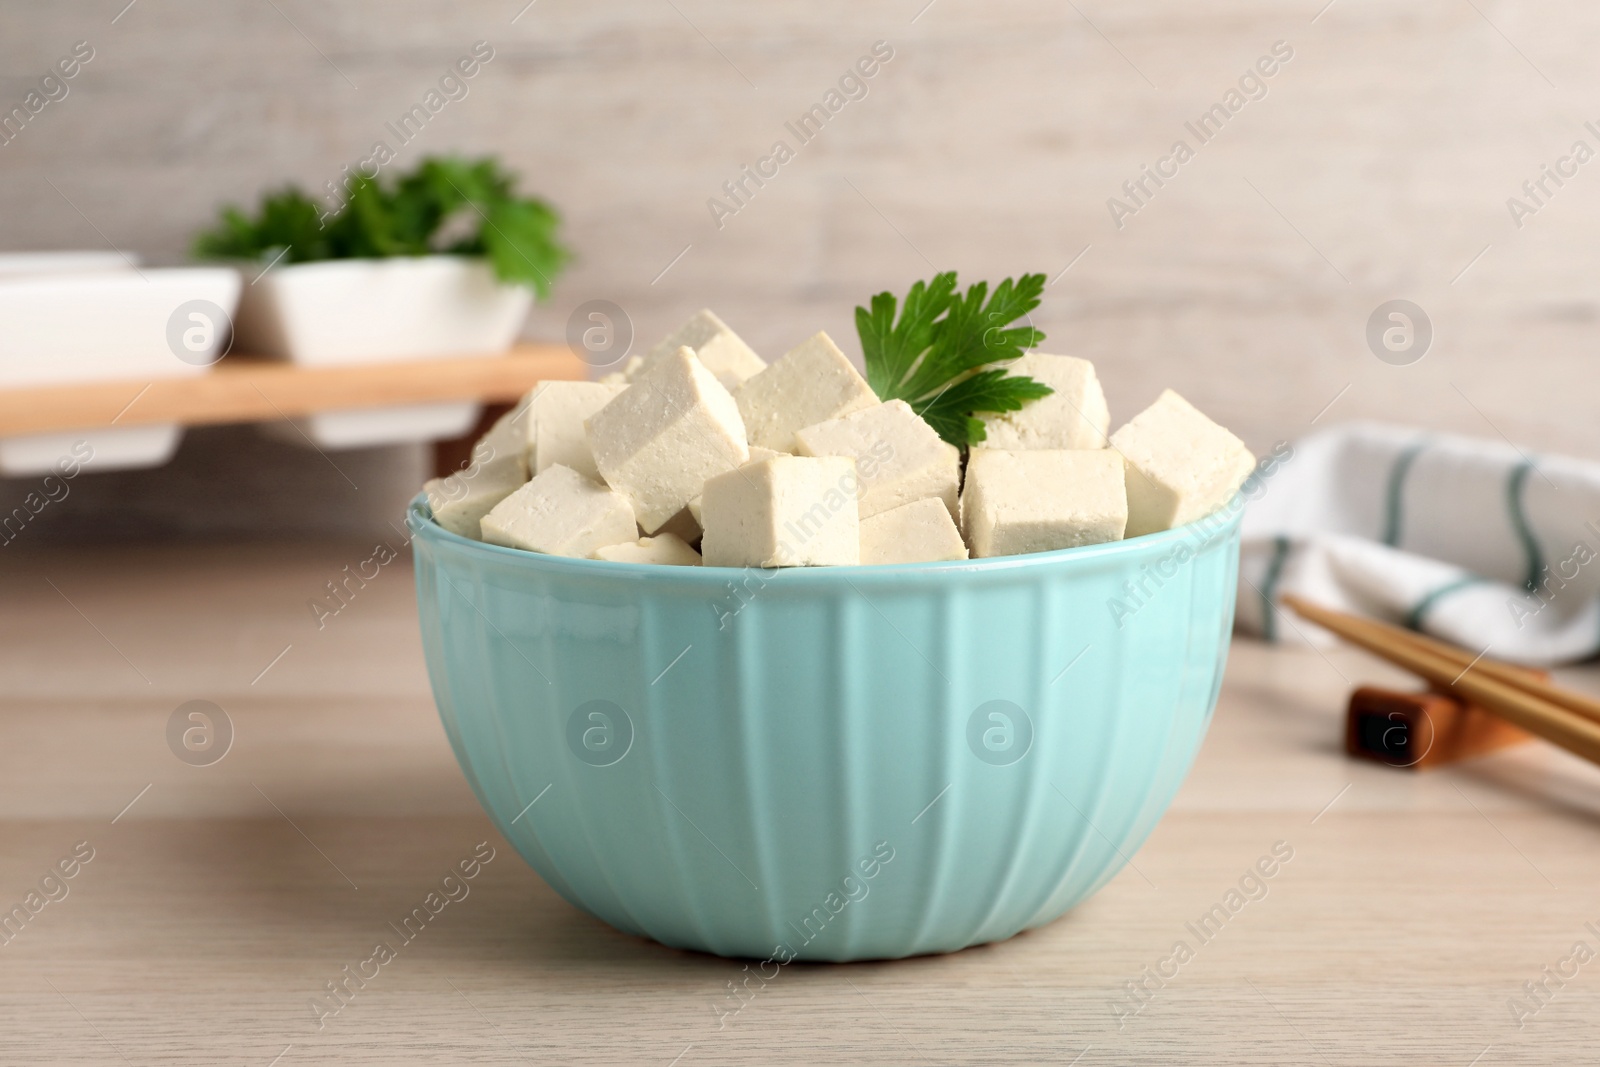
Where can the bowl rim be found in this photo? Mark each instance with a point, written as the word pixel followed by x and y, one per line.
pixel 1200 534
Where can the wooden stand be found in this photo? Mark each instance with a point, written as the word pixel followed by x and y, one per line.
pixel 243 388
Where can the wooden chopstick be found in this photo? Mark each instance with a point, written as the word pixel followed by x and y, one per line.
pixel 1534 712
pixel 1506 672
pixel 1523 678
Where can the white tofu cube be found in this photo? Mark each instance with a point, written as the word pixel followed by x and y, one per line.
pixel 625 375
pixel 899 457
pixel 812 383
pixel 789 511
pixel 667 549
pixel 459 502
pixel 919 532
pixel 556 414
pixel 496 469
pixel 560 513
pixel 1040 500
pixel 757 454
pixel 684 525
pixel 1181 466
pixel 663 436
pixel 1074 416
pixel 715 345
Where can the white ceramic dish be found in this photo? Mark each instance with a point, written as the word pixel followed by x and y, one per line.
pixel 99 325
pixel 380 310
pixel 378 426
pixel 355 311
pixel 55 262
pixel 77 317
pixel 117 448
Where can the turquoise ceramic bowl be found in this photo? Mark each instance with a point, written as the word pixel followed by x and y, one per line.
pixel 829 763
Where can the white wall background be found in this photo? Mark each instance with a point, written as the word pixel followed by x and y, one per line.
pixel 1377 166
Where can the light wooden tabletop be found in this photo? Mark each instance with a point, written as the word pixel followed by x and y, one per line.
pixel 220 899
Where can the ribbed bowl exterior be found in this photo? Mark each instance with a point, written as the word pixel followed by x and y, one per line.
pixel 830 763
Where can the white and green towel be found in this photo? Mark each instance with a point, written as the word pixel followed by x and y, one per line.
pixel 1470 540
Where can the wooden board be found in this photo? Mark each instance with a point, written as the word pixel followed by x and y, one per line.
pixel 246 388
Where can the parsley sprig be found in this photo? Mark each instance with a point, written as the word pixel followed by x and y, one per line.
pixel 446 204
pixel 939 355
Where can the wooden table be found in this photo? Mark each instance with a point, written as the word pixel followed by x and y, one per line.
pixel 221 899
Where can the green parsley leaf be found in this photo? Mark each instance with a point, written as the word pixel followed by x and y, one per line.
pixel 950 410
pixel 934 356
pixel 891 350
pixel 287 219
pixel 446 204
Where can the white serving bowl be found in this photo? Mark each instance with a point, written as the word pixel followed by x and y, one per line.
pixel 348 311
pixel 80 317
pixel 67 325
pixel 116 448
pixel 354 311
pixel 53 262
pixel 369 427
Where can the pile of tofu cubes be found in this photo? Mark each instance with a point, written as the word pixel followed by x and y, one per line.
pixel 701 453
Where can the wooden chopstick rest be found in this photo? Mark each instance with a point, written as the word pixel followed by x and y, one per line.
pixel 1518 703
pixel 1422 730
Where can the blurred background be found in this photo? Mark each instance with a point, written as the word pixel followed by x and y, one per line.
pixel 1377 165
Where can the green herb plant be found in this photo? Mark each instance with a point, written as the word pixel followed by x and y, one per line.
pixel 445 205
pixel 940 355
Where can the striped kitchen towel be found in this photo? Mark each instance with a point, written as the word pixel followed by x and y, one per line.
pixel 1466 539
